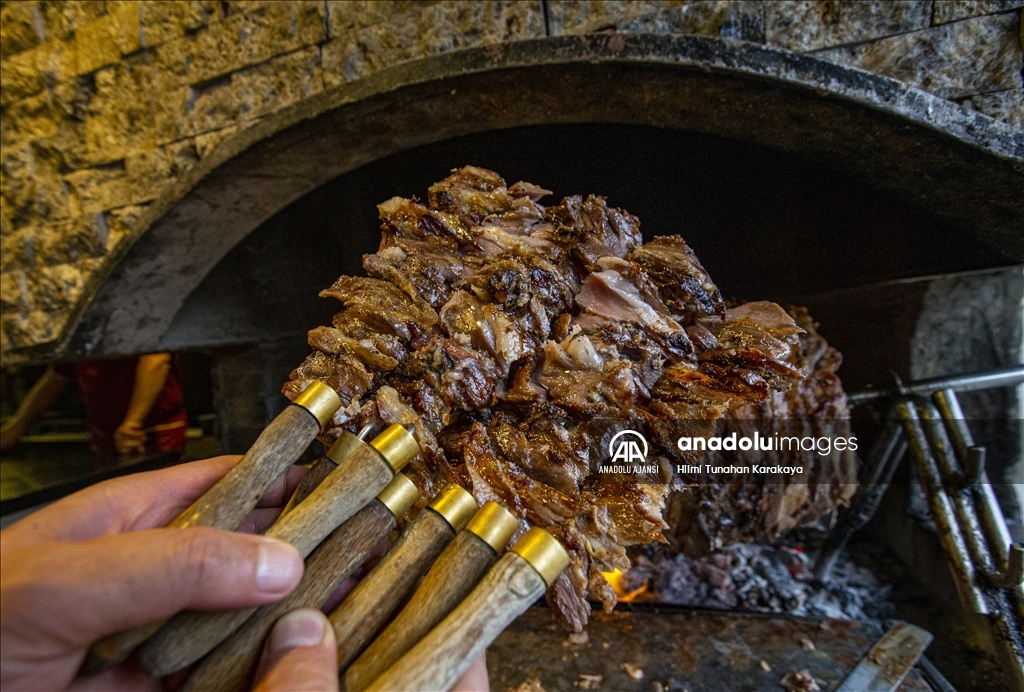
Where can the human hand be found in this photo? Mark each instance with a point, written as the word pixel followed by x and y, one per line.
pixel 130 438
pixel 95 563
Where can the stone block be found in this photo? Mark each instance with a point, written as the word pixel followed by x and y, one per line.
pixel 440 27
pixel 148 174
pixel 122 223
pixel 97 44
pixel 209 106
pixel 568 17
pixel 953 60
pixel 806 26
pixel 245 39
pixel 17 183
pixel 1007 106
pixel 741 19
pixel 20 77
pixel 445 26
pixel 123 115
pixel 206 142
pixel 101 188
pixel 55 289
pixel 166 20
pixel 21 28
pixel 56 61
pixel 278 83
pixel 68 144
pixel 12 295
pixel 18 249
pixel 182 155
pixel 347 15
pixel 73 100
pixel 61 18
pixel 72 241
pixel 126 17
pixel 29 119
pixel 51 201
pixel 32 329
pixel 955 10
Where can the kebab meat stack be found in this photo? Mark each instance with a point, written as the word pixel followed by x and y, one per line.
pixel 502 329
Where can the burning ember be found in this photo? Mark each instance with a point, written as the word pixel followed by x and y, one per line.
pixel 617 581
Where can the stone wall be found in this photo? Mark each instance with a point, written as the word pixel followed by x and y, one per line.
pixel 105 104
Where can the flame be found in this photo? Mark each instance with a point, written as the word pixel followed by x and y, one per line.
pixel 614 578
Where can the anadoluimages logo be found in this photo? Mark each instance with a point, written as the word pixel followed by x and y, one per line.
pixel 627 447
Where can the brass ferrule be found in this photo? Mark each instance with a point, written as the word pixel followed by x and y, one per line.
pixel 343 447
pixel 455 505
pixel 543 552
pixel 399 495
pixel 320 400
pixel 494 525
pixel 397 446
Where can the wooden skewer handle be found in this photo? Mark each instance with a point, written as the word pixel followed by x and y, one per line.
pixel 227 503
pixel 231 664
pixel 344 491
pixel 223 506
pixel 440 658
pixel 458 569
pixel 190 635
pixel 360 616
pixel 317 473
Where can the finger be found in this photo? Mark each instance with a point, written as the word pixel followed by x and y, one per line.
pixel 281 489
pixel 74 593
pixel 475 678
pixel 139 501
pixel 300 654
pixel 259 520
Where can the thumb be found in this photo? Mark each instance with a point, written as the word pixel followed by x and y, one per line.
pixel 300 655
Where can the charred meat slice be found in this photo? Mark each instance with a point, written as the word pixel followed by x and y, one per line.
pixel 685 287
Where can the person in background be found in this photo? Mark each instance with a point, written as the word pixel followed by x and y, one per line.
pixel 133 405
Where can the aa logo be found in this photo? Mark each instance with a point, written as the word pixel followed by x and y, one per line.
pixel 628 447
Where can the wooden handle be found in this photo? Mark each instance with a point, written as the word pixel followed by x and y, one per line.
pixel 458 569
pixel 231 664
pixel 360 616
pixel 345 491
pixel 317 473
pixel 190 635
pixel 440 658
pixel 224 506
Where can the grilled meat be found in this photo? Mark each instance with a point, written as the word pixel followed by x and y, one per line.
pixel 504 330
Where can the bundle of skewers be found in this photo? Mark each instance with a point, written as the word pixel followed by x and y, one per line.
pixel 449 567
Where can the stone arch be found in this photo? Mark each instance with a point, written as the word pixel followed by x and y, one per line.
pixel 964 166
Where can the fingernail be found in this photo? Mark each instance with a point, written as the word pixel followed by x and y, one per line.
pixel 298 628
pixel 278 568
